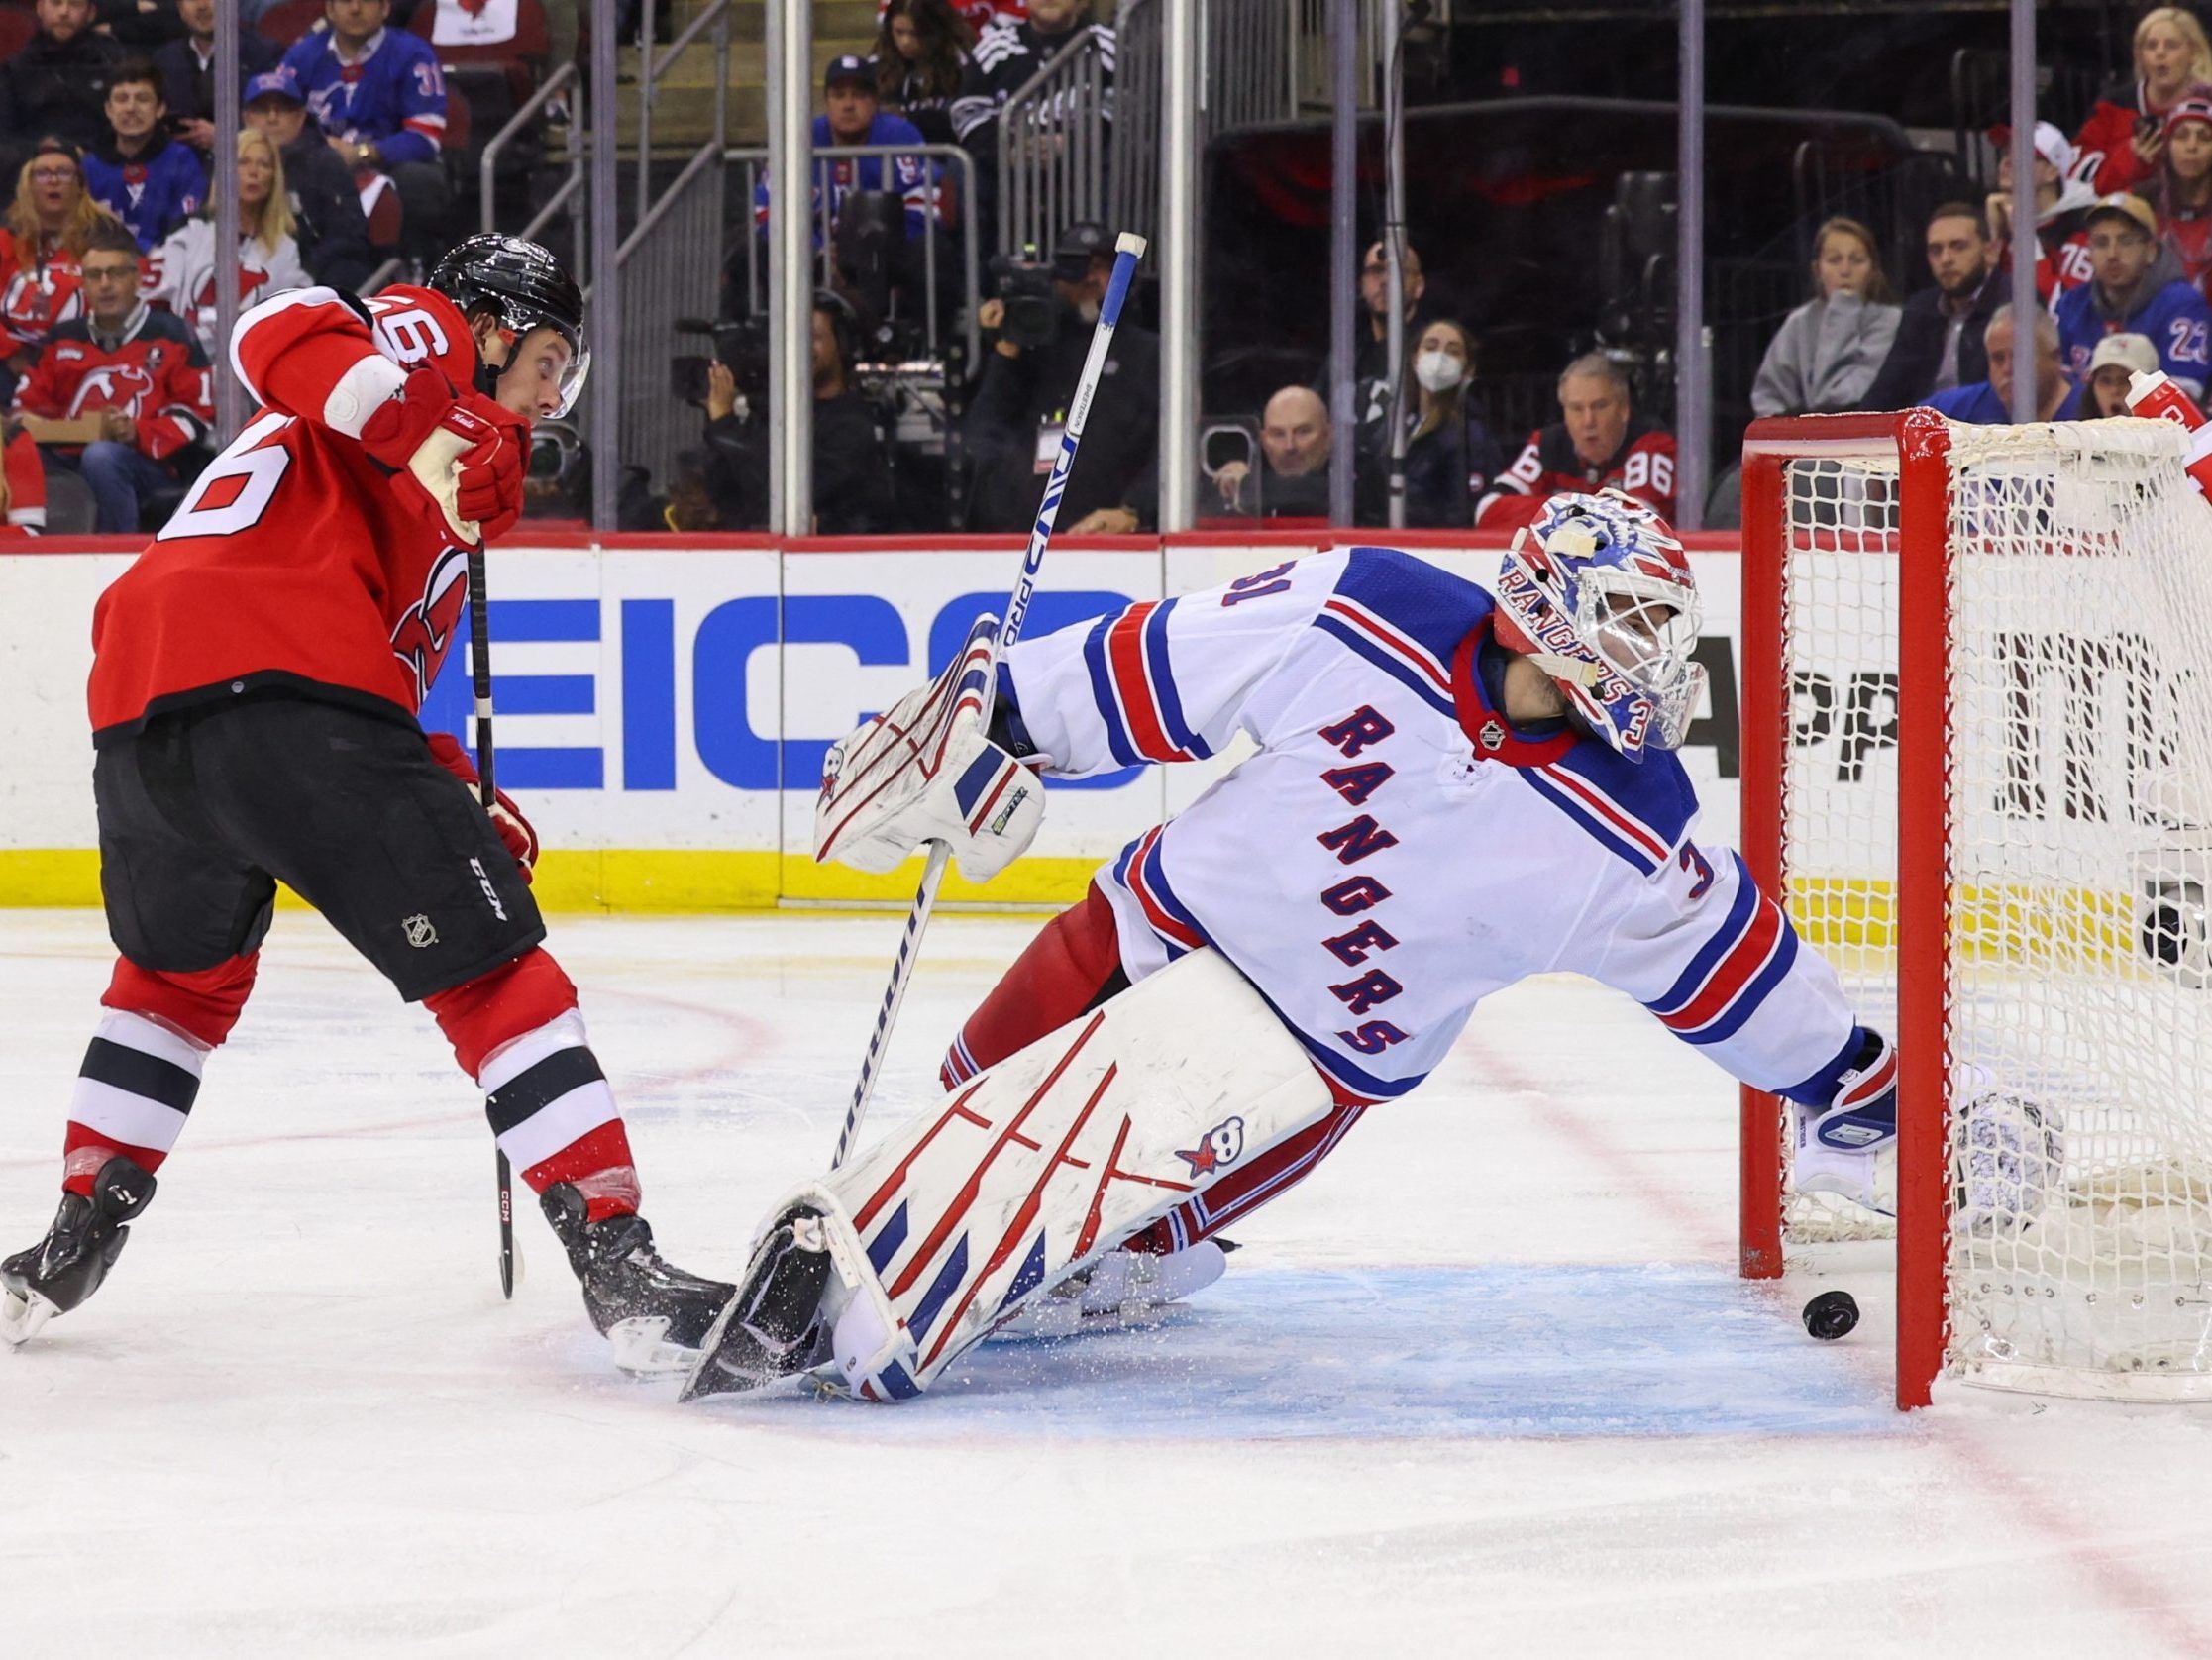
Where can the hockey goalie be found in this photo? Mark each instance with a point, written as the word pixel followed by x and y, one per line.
pixel 1451 789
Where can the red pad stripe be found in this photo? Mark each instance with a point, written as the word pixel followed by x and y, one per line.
pixel 1018 1229
pixel 897 1177
pixel 974 1184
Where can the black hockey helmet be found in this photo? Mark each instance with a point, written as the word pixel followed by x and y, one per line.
pixel 525 288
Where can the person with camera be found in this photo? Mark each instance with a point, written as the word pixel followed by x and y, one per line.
pixel 1043 322
pixel 853 495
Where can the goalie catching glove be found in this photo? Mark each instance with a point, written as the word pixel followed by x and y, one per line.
pixel 927 771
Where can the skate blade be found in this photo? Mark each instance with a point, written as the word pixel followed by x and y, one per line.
pixel 642 1349
pixel 22 1313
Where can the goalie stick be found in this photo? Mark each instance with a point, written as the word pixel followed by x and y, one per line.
pixel 1128 249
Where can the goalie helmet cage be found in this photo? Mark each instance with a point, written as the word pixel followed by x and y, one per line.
pixel 1977 772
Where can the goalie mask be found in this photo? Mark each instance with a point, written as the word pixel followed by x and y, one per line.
pixel 1598 594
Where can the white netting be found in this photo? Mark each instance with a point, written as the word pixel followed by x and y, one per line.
pixel 2080 851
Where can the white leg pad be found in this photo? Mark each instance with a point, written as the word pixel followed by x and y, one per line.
pixel 1040 1165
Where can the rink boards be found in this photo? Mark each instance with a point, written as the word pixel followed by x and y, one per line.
pixel 664 703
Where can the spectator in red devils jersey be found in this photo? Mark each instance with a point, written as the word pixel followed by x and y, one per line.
pixel 23 482
pixel 2063 199
pixel 256 680
pixel 2123 138
pixel 47 224
pixel 1598 443
pixel 140 370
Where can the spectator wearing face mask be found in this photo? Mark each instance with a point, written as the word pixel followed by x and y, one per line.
pixel 1829 350
pixel 2063 199
pixel 2113 365
pixel 1452 457
pixel 2137 288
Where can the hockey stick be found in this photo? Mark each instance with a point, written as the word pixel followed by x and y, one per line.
pixel 479 675
pixel 1128 249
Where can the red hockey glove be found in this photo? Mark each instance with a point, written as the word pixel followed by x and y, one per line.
pixel 436 444
pixel 490 483
pixel 506 818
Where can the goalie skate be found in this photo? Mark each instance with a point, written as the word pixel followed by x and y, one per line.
pixel 1121 1290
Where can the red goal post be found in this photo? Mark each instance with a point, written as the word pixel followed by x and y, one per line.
pixel 1977 772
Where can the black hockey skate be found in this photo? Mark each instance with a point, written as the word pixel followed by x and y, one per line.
pixel 656 1314
pixel 771 1327
pixel 66 1266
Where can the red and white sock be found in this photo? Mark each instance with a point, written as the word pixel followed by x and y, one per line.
pixel 517 1031
pixel 133 1095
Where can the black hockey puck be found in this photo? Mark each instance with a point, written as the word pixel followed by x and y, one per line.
pixel 1831 1315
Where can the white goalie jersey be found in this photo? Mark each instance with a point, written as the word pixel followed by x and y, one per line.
pixel 1396 851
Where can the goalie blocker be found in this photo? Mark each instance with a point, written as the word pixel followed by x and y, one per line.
pixel 880 1276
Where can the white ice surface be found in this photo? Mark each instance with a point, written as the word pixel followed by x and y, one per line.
pixel 1485 1385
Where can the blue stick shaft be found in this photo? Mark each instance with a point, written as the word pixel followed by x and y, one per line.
pixel 1128 249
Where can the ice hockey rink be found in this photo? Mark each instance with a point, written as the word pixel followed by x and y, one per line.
pixel 1485 1385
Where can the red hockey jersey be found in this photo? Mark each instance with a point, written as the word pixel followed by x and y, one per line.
pixel 34 298
pixel 291 562
pixel 152 370
pixel 1644 466
pixel 27 487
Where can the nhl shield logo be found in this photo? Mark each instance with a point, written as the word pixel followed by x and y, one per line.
pixel 1493 734
pixel 420 932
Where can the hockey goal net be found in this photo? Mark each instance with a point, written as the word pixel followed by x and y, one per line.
pixel 1977 769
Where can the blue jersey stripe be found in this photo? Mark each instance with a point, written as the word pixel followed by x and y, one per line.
pixel 1605 834
pixel 1156 662
pixel 1390 663
pixel 1101 693
pixel 1723 940
pixel 1731 1020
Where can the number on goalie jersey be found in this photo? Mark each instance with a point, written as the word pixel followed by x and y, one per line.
pixel 291 562
pixel 1396 849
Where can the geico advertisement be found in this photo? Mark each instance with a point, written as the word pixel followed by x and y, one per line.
pixel 681 699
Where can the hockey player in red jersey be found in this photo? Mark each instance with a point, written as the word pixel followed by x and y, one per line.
pixel 253 696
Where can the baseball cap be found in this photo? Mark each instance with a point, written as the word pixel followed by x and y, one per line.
pixel 847 69
pixel 2127 207
pixel 2050 145
pixel 2194 108
pixel 278 83
pixel 2125 351
pixel 1077 246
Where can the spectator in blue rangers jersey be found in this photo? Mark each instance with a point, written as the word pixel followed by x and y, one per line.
pixel 2137 287
pixel 141 175
pixel 851 117
pixel 1006 55
pixel 380 98
pixel 1988 403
